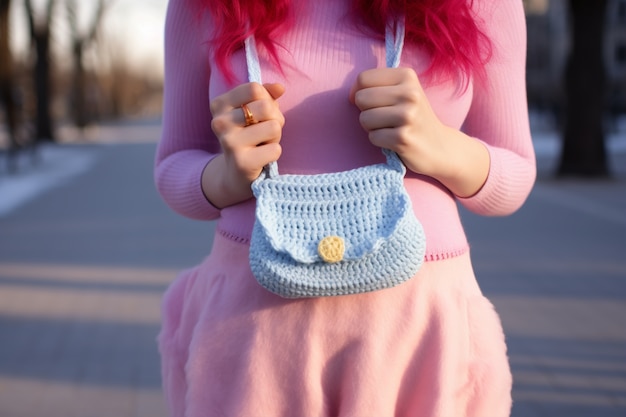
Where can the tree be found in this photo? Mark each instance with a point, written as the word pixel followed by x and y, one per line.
pixel 40 40
pixel 584 150
pixel 80 42
pixel 7 77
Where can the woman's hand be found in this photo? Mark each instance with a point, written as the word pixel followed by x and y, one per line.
pixel 397 115
pixel 246 149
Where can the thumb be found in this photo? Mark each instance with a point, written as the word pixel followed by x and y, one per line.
pixel 275 90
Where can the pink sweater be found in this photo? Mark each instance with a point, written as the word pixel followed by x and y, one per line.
pixel 323 55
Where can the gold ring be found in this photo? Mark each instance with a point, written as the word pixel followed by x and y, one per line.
pixel 247 114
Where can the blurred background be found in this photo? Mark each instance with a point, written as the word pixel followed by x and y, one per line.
pixel 87 246
pixel 68 65
pixel 78 63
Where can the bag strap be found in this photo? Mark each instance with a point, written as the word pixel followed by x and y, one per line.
pixel 394 44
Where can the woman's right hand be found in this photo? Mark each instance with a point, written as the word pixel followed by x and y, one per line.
pixel 246 150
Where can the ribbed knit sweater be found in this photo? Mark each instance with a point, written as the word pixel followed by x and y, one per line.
pixel 321 58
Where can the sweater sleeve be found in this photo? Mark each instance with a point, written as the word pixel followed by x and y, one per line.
pixel 498 116
pixel 187 142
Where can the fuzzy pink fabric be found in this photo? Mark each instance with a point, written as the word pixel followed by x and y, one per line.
pixel 432 347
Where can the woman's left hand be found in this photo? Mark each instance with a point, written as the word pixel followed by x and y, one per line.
pixel 398 116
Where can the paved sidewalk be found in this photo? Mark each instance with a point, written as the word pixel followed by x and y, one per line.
pixel 82 270
pixel 83 267
pixel 556 272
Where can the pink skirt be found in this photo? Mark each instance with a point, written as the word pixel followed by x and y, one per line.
pixel 431 347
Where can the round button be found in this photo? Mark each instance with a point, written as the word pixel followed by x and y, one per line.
pixel 331 249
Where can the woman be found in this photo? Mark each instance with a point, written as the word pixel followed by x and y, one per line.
pixel 455 112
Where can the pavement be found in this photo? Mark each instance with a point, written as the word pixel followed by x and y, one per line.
pixel 87 247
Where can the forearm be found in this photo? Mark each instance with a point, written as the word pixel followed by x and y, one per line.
pixel 177 178
pixel 463 163
pixel 187 143
pixel 498 115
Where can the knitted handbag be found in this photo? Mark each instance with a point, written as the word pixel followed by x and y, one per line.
pixel 338 233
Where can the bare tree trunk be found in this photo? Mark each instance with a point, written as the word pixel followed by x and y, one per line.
pixel 7 81
pixel 584 151
pixel 40 37
pixel 80 105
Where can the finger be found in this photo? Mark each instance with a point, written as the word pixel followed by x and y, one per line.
pixel 266 153
pixel 275 90
pixel 229 123
pixel 263 133
pixel 374 97
pixel 384 138
pixel 251 161
pixel 260 110
pixel 252 136
pixel 242 94
pixel 387 117
pixel 254 159
pixel 377 77
pixel 380 77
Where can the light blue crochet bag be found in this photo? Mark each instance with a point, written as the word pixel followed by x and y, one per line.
pixel 338 233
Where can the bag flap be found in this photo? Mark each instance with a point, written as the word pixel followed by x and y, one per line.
pixel 362 207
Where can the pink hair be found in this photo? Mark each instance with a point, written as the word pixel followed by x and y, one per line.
pixel 447 29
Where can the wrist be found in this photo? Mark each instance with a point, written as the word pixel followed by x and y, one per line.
pixel 464 165
pixel 219 188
